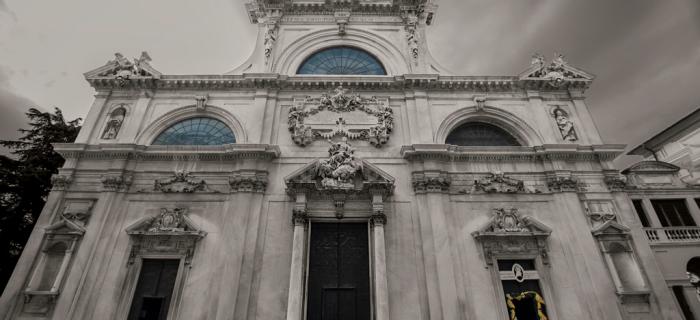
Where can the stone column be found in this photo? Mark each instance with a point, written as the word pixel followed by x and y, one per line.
pixel 381 287
pixel 295 299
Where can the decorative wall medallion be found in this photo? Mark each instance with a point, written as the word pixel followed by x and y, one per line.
pixel 114 124
pixel 518 273
pixel 508 220
pixel 181 182
pixel 340 114
pixel 498 182
pixel 565 125
pixel 168 221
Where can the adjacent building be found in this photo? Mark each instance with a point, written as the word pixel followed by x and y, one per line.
pixel 342 173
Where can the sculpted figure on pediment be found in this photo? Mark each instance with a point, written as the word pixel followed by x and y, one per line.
pixel 341 167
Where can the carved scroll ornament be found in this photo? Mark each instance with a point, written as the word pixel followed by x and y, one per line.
pixel 181 182
pixel 341 102
pixel 498 182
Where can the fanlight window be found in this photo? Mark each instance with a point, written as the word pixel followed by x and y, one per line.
pixel 480 134
pixel 196 131
pixel 342 60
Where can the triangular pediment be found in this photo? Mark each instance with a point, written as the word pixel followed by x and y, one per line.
pixel 369 175
pixel 168 222
pixel 509 222
pixel 65 226
pixel 556 73
pixel 652 167
pixel 121 67
pixel 610 228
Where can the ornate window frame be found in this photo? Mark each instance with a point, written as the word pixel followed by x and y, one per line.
pixel 480 111
pixel 169 235
pixel 68 229
pixel 511 236
pixel 191 111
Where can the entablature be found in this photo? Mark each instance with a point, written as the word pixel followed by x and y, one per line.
pixel 157 153
pixel 417 152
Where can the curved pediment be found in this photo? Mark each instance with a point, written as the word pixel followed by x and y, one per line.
pixel 652 167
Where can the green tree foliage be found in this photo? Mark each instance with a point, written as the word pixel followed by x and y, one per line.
pixel 25 181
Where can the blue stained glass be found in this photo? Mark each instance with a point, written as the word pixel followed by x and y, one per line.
pixel 196 131
pixel 342 60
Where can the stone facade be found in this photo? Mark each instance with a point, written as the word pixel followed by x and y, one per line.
pixel 237 216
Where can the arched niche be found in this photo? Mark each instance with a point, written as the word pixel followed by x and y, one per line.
pixel 506 121
pixel 386 52
pixel 167 120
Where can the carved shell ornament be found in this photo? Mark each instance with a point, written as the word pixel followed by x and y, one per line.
pixel 340 114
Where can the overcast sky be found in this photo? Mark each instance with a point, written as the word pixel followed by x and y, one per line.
pixel 645 53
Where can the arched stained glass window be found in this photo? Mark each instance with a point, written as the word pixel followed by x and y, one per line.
pixel 342 60
pixel 480 134
pixel 196 131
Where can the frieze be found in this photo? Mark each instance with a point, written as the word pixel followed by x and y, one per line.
pixel 615 183
pixel 116 182
pixel 564 184
pixel 375 127
pixel 498 182
pixel 428 181
pixel 61 182
pixel 248 181
pixel 181 182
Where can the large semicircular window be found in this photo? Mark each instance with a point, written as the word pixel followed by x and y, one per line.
pixel 480 134
pixel 343 61
pixel 196 131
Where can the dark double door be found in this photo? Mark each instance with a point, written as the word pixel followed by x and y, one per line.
pixel 338 284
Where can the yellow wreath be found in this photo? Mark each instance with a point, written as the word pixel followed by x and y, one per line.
pixel 538 299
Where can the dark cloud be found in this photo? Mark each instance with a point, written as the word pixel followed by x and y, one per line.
pixel 645 54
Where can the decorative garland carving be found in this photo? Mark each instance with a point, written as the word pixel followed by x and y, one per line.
pixel 181 182
pixel 245 181
pixel 61 182
pixel 615 183
pixel 431 182
pixel 498 182
pixel 411 24
pixel 270 39
pixel 340 102
pixel 564 184
pixel 116 182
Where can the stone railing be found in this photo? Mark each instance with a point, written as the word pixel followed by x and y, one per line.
pixel 673 234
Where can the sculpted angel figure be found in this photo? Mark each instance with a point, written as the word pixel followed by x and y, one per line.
pixel 270 39
pixel 566 126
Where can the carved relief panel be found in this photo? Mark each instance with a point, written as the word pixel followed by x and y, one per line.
pixel 340 114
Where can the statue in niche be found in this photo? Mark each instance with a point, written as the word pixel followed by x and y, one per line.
pixel 341 167
pixel 695 282
pixel 116 118
pixel 566 126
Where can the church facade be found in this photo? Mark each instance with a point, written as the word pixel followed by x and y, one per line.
pixel 339 173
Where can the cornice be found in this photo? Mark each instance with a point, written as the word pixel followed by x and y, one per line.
pixel 417 152
pixel 279 82
pixel 156 153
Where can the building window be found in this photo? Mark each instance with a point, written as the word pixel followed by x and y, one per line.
pixel 338 275
pixel 673 213
pixel 521 289
pixel 639 208
pixel 480 134
pixel 342 61
pixel 154 289
pixel 196 131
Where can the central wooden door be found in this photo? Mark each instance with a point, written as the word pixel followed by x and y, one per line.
pixel 338 283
